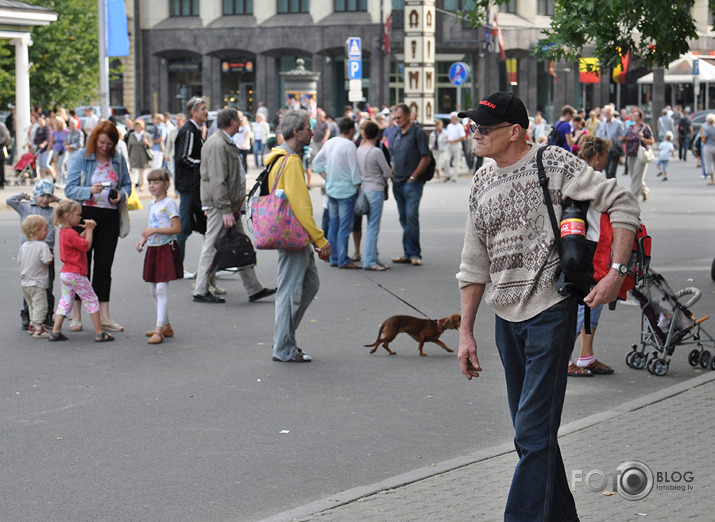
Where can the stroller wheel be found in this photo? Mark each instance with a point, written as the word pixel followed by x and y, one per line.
pixel 658 367
pixel 638 360
pixel 712 364
pixel 712 271
pixel 705 359
pixel 694 358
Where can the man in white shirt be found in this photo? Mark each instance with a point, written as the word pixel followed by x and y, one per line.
pixel 90 121
pixel 455 137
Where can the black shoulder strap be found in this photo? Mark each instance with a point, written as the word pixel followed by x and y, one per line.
pixel 544 182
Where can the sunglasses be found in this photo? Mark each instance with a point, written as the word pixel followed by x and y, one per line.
pixel 484 131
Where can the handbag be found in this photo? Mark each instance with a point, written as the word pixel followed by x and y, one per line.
pixel 123 217
pixel 362 205
pixel 133 202
pixel 275 227
pixel 645 154
pixel 234 250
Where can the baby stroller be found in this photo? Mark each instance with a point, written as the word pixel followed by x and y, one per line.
pixel 666 323
pixel 26 169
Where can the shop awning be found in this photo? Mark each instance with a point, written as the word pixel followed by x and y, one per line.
pixel 681 70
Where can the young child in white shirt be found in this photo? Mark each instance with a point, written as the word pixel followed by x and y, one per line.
pixel 667 150
pixel 34 259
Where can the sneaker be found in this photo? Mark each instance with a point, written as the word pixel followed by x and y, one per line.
pixel 356 257
pixel 217 290
pixel 41 333
pixel 299 357
pixel 189 275
pixel 263 293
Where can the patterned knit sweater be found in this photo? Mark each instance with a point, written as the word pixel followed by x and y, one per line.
pixel 509 240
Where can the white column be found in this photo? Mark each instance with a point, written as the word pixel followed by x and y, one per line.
pixel 22 90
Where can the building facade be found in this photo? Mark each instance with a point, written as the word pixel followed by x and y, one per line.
pixel 233 51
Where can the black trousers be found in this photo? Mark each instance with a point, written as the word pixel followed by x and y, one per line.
pixel 100 256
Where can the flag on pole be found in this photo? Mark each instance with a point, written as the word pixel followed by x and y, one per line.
pixel 619 72
pixel 500 37
pixel 552 71
pixel 117 32
pixel 386 34
pixel 586 76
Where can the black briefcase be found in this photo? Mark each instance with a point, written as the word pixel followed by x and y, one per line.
pixel 234 250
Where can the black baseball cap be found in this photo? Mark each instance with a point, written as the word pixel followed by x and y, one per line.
pixel 498 108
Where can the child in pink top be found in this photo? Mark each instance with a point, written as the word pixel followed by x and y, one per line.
pixel 73 253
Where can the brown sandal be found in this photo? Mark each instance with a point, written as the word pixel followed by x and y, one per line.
pixel 166 333
pixel 577 371
pixel 599 368
pixel 156 338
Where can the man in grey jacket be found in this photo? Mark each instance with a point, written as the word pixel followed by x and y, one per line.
pixel 223 184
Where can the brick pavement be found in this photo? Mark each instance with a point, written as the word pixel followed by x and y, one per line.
pixel 669 431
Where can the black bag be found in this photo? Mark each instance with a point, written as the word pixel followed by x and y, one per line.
pixel 234 250
pixel 428 173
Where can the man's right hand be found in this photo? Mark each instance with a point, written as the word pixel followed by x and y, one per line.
pixel 468 361
pixel 324 253
pixel 229 220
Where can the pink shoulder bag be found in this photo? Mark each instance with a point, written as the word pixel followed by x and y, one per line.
pixel 275 227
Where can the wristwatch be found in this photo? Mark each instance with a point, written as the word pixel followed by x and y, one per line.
pixel 620 268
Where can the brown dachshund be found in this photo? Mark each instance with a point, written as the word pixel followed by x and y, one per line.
pixel 421 330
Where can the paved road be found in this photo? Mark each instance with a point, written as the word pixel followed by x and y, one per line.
pixel 192 429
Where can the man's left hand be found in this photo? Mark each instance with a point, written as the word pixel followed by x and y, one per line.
pixel 605 291
pixel 229 220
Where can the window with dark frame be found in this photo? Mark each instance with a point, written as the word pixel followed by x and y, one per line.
pixel 293 6
pixel 509 7
pixel 350 5
pixel 237 7
pixel 545 7
pixel 184 8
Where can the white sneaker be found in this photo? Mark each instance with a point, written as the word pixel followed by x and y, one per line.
pixel 189 275
pixel 217 290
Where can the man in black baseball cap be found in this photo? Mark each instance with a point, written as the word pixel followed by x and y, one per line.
pixel 509 243
pixel 498 108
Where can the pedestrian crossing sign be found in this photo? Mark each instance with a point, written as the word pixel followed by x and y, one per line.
pixel 354 48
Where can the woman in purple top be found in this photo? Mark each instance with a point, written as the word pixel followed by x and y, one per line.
pixel 58 146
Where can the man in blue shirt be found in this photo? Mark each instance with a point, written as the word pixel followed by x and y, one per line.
pixel 410 157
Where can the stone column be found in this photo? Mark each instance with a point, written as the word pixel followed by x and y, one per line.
pixel 22 90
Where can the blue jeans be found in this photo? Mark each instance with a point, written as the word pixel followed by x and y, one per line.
pixel 407 197
pixel 185 218
pixel 297 285
pixel 535 356
pixel 375 198
pixel 341 223
pixel 258 150
pixel 683 146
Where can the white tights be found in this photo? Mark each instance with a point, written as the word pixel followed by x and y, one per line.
pixel 160 293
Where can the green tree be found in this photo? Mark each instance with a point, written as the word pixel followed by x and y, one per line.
pixel 657 31
pixel 64 57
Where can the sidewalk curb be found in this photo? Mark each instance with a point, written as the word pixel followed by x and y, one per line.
pixel 351 495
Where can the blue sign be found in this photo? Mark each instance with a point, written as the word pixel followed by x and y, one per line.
pixel 696 66
pixel 354 48
pixel 458 73
pixel 355 69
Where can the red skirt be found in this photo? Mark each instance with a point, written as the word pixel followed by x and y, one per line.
pixel 163 263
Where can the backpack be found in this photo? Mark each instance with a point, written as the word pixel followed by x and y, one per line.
pixel 684 126
pixel 585 258
pixel 556 138
pixel 428 173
